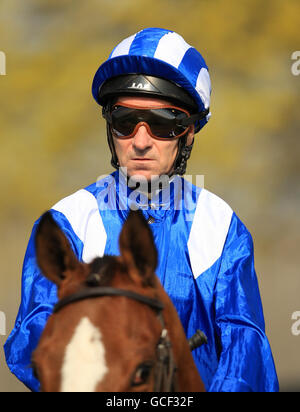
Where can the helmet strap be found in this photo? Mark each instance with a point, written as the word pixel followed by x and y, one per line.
pixel 183 154
pixel 114 159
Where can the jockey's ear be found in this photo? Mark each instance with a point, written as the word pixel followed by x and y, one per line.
pixel 137 247
pixel 53 251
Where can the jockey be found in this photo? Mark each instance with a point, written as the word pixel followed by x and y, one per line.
pixel 154 90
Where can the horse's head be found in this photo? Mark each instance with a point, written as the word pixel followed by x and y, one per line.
pixel 107 328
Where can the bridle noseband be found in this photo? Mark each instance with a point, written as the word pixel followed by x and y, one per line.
pixel 165 377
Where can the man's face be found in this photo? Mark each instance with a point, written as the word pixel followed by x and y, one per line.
pixel 142 154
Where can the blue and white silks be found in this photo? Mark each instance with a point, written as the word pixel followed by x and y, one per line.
pixel 205 264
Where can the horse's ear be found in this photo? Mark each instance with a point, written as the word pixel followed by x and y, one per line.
pixel 137 247
pixel 53 251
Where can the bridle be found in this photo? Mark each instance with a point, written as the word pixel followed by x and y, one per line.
pixel 165 368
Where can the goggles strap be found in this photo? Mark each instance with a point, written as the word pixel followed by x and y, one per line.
pixel 193 118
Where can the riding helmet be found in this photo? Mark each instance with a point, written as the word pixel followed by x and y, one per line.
pixel 158 63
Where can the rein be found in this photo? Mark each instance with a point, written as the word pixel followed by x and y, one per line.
pixel 165 369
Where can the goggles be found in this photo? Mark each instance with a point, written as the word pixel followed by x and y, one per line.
pixel 165 122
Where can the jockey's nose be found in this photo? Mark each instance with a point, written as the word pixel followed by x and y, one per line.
pixel 142 140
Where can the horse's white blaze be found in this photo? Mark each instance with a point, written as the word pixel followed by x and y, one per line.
pixel 84 363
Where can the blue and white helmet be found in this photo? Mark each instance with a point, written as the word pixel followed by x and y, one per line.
pixel 162 54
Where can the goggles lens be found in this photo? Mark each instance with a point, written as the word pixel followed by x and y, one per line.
pixel 162 123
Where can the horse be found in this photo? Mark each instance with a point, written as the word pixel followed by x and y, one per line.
pixel 114 328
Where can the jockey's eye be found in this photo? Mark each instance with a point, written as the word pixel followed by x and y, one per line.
pixel 142 374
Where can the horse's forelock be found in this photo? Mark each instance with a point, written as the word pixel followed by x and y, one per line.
pixel 105 267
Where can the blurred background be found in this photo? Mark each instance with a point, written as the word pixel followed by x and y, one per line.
pixel 53 138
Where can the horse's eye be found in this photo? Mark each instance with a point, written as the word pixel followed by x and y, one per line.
pixel 142 374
